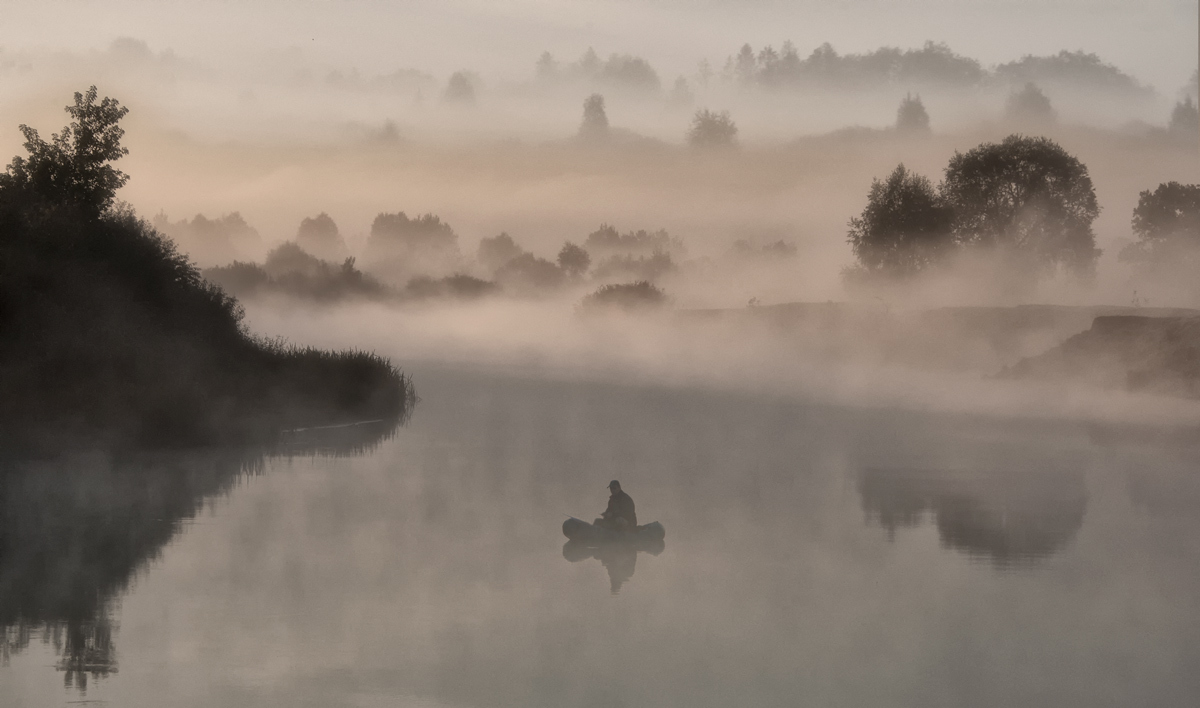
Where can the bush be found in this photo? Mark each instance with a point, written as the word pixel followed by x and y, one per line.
pixel 911 117
pixel 1030 106
pixel 573 260
pixel 528 273
pixel 495 252
pixel 640 295
pixel 712 130
pixel 595 120
pixel 108 334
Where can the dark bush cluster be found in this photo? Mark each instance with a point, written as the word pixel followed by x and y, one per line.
pixel 640 295
pixel 107 332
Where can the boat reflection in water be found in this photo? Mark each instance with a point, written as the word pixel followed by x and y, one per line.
pixel 1010 518
pixel 619 558
pixel 75 530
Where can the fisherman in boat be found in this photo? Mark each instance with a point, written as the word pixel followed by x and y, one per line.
pixel 619 516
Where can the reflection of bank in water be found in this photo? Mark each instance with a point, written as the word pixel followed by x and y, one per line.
pixel 75 530
pixel 1011 518
pixel 619 558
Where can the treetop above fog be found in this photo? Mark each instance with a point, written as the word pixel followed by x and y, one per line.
pixel 73 167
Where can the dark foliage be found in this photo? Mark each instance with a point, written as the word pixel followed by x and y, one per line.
pixel 1167 225
pixel 606 241
pixel 1028 196
pixel 620 72
pixel 595 121
pixel 290 271
pixel 911 117
pixel 72 170
pixel 905 227
pixel 640 295
pixel 495 252
pixel 1030 106
pixel 528 273
pixel 710 129
pixel 455 287
pixel 107 333
pixel 573 260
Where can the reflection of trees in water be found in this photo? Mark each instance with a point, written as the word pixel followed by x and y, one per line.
pixel 618 558
pixel 1009 518
pixel 75 530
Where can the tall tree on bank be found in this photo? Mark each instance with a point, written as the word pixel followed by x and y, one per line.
pixel 1027 196
pixel 73 167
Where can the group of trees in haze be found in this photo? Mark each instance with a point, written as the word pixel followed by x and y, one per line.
pixel 1166 223
pixel 620 72
pixel 107 331
pixel 934 64
pixel 1024 198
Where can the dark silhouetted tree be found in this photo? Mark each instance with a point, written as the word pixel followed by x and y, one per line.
pixel 640 295
pixel 904 229
pixel 73 167
pixel 573 260
pixel 595 121
pixel 911 117
pixel 710 129
pixel 1185 119
pixel 1167 225
pixel 1028 196
pixel 460 89
pixel 528 273
pixel 495 252
pixel 1030 106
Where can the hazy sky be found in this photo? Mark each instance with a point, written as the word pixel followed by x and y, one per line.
pixel 1153 39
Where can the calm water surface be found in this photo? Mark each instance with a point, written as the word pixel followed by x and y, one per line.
pixel 814 555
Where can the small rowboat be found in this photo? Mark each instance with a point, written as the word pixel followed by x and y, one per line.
pixel 583 533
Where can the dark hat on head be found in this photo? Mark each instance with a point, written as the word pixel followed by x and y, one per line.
pixel 614 483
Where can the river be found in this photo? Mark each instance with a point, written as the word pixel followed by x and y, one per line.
pixel 815 554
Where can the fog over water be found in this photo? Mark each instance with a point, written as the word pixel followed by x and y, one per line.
pixel 971 483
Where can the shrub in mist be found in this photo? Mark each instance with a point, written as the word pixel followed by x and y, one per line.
pixel 399 247
pixel 904 229
pixel 911 117
pixel 1027 197
pixel 630 73
pixel 1166 223
pixel 319 236
pixel 107 332
pixel 1030 106
pixel 640 295
pixel 606 241
pixel 529 274
pixel 1185 120
pixel 221 239
pixel 710 129
pixel 495 252
pixel 460 89
pixel 453 287
pixel 595 121
pixel 573 260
